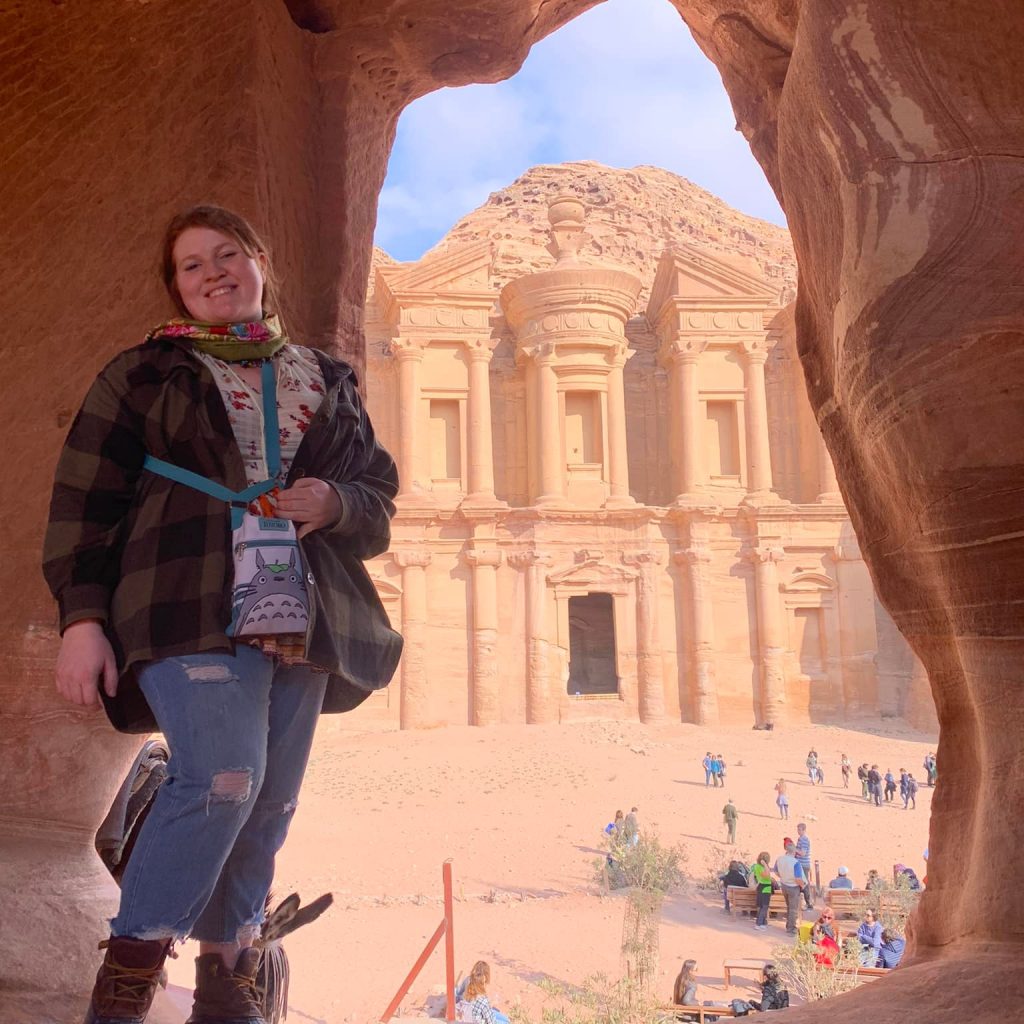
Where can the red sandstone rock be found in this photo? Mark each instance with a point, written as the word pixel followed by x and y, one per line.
pixel 892 132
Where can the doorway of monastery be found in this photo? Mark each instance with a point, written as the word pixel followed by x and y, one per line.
pixel 612 481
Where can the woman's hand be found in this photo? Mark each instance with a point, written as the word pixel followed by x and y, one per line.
pixel 85 657
pixel 311 502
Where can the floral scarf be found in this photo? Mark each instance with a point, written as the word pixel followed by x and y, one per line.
pixel 255 339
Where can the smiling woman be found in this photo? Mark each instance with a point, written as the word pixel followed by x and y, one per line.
pixel 183 453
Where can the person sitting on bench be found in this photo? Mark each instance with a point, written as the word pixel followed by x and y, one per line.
pixel 890 952
pixel 773 995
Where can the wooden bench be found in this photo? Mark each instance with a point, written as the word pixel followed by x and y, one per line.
pixel 745 901
pixel 744 964
pixel 700 1012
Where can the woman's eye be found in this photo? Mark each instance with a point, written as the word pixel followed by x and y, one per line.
pixel 190 266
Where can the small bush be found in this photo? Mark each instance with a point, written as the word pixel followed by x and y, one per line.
pixel 810 980
pixel 597 1001
pixel 892 903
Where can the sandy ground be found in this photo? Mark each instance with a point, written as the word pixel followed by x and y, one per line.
pixel 520 811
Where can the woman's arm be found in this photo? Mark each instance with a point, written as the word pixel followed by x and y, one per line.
pixel 94 486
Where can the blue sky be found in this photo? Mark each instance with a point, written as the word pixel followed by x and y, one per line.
pixel 623 84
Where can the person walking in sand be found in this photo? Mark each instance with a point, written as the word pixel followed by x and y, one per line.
pixel 782 799
pixel 706 764
pixel 730 816
pixel 930 768
pixel 803 853
pixel 875 785
pixel 631 828
pixel 844 764
pixel 890 785
pixel 862 774
pixel 812 766
pixel 721 769
pixel 910 797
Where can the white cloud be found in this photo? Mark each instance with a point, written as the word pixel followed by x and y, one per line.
pixel 623 84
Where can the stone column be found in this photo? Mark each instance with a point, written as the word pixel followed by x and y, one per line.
pixel 759 463
pixel 686 396
pixel 486 693
pixel 771 642
pixel 549 432
pixel 650 678
pixel 480 450
pixel 830 494
pixel 413 712
pixel 409 358
pixel 540 705
pixel 704 685
pixel 618 456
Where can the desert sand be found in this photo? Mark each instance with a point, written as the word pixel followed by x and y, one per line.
pixel 520 810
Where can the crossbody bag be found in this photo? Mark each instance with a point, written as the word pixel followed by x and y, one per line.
pixel 269 594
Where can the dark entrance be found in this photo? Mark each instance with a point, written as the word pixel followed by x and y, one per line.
pixel 592 645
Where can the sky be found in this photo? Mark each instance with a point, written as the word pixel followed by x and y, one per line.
pixel 623 84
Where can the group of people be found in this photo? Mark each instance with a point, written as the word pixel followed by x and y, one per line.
pixel 624 828
pixel 774 995
pixel 714 769
pixel 874 785
pixel 877 946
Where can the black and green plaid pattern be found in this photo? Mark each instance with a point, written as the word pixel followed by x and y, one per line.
pixel 152 559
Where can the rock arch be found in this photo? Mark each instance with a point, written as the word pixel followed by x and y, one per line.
pixel 892 132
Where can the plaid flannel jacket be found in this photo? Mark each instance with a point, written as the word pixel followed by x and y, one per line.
pixel 151 559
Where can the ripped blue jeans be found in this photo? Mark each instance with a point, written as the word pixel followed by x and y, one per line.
pixel 239 728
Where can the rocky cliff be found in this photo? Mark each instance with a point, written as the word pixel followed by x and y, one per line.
pixel 633 216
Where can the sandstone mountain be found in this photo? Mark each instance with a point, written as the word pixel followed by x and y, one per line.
pixel 633 216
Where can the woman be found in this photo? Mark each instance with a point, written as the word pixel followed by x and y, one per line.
pixel 844 764
pixel 869 935
pixel 826 949
pixel 478 1005
pixel 684 992
pixel 140 558
pixel 812 766
pixel 782 799
pixel 737 876
pixel 764 885
pixel 827 923
pixel 773 995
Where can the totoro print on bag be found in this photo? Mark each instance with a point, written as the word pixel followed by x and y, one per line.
pixel 270 594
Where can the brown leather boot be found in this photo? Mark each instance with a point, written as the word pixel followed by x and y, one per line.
pixel 224 996
pixel 127 980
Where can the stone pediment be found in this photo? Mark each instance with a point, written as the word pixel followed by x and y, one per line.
pixel 689 274
pixel 466 269
pixel 808 583
pixel 593 575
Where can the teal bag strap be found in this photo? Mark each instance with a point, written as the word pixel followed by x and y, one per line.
pixel 238 500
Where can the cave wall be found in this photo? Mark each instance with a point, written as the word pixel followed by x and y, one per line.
pixel 892 133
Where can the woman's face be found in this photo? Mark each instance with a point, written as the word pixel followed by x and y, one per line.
pixel 217 281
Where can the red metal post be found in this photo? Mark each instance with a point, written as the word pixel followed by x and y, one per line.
pixel 449 941
pixel 445 929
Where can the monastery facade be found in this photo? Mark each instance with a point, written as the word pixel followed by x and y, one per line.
pixel 614 512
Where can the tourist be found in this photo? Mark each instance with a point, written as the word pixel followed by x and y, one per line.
pixel 875 785
pixel 910 875
pixel 874 880
pixel 790 875
pixel 862 774
pixel 910 796
pixel 706 763
pixel 827 923
pixel 730 816
pixel 890 785
pixel 721 769
pixel 844 765
pixel 684 991
pixel 136 560
pixel 869 935
pixel 826 949
pixel 782 799
pixel 803 854
pixel 764 885
pixel 930 768
pixel 773 995
pixel 736 875
pixel 812 766
pixel 475 1005
pixel 842 879
pixel 890 952
pixel 716 768
pixel 631 828
pixel 614 829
